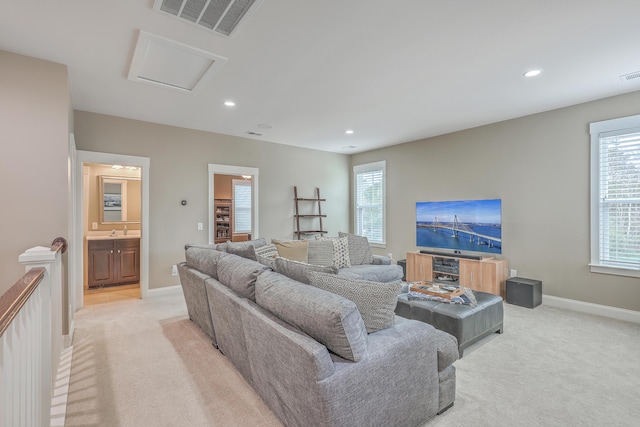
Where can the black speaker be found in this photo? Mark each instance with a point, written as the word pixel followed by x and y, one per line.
pixel 403 263
pixel 524 292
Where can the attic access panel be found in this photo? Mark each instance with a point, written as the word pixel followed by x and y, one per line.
pixel 167 63
pixel 220 16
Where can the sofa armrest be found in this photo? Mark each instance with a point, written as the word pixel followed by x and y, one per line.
pixel 397 383
pixel 381 260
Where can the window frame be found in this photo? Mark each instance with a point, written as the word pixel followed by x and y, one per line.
pixel 619 126
pixel 364 168
pixel 242 183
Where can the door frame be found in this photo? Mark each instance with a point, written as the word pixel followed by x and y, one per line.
pixel 233 170
pixel 77 265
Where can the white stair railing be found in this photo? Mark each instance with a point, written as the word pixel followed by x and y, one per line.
pixel 31 338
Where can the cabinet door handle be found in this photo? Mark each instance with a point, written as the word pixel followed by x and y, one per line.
pixel 420 268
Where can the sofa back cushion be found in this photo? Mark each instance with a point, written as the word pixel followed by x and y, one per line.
pixel 359 249
pixel 328 318
pixel 203 258
pixel 245 249
pixel 298 270
pixel 375 301
pixel 240 274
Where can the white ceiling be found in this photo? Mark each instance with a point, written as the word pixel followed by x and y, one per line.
pixel 393 71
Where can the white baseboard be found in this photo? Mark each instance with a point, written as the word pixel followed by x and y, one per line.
pixel 167 290
pixel 590 308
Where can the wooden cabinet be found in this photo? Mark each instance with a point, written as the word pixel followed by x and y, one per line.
pixel 113 262
pixel 485 275
pixel 419 268
pixel 223 218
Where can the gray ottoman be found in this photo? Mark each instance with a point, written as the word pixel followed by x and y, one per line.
pixel 468 324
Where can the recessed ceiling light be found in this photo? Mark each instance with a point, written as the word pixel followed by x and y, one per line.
pixel 117 167
pixel 348 131
pixel 229 103
pixel 532 73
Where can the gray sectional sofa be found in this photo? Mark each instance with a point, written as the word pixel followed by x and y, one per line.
pixel 308 352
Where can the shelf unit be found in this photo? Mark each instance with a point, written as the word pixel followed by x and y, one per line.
pixel 485 275
pixel 223 218
pixel 312 217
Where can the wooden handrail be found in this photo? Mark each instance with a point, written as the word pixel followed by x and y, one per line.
pixel 15 298
pixel 59 244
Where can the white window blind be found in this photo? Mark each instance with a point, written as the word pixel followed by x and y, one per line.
pixel 241 206
pixel 616 160
pixel 369 182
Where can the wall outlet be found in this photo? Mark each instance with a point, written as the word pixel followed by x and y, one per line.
pixel 514 273
pixel 390 255
pixel 174 270
pixel 94 225
pixel 200 226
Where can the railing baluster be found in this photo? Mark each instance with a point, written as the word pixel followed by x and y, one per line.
pixel 31 339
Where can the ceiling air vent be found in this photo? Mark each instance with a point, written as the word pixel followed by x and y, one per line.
pixel 630 76
pixel 252 133
pixel 219 16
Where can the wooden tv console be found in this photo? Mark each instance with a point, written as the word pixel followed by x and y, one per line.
pixel 485 274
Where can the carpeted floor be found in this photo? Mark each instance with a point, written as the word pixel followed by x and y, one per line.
pixel 143 363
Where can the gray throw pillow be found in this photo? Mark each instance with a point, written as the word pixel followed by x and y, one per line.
pixel 320 252
pixel 375 301
pixel 359 249
pixel 340 251
pixel 299 270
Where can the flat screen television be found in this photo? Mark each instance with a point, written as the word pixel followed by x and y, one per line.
pixel 461 225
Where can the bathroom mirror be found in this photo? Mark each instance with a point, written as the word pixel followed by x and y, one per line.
pixel 120 199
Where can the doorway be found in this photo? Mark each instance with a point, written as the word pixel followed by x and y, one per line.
pixel 85 159
pixel 247 174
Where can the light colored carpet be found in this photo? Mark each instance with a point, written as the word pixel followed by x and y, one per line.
pixel 143 363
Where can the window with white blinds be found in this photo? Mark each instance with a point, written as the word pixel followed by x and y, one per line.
pixel 369 200
pixel 241 206
pixel 615 192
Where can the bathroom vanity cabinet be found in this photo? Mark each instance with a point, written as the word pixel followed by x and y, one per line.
pixel 113 262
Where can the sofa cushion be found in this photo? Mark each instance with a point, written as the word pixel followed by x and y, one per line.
pixel 359 249
pixel 298 270
pixel 320 252
pixel 331 319
pixel 245 249
pixel 372 273
pixel 203 258
pixel 296 250
pixel 375 301
pixel 239 274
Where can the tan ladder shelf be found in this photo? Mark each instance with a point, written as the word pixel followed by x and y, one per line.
pixel 317 201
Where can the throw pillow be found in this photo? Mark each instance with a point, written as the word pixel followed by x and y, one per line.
pixel 340 251
pixel 320 252
pixel 359 249
pixel 298 270
pixel 375 301
pixel 267 251
pixel 297 250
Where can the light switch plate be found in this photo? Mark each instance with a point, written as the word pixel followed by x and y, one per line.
pixel 200 226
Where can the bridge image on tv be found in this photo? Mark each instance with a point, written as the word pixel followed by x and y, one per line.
pixel 465 225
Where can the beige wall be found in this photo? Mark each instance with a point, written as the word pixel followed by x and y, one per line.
pixel 34 130
pixel 539 166
pixel 179 170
